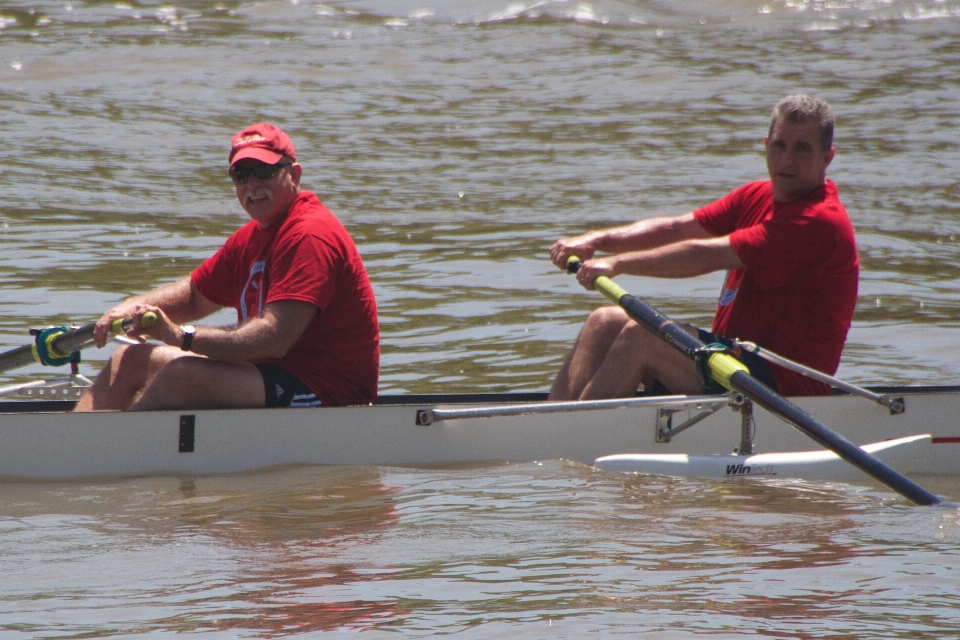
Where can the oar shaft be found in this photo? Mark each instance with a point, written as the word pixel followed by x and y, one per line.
pixel 16 358
pixel 646 315
pixel 67 342
pixel 79 337
pixel 776 404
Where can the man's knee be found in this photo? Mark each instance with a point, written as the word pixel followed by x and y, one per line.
pixel 130 354
pixel 129 366
pixel 607 319
pixel 141 357
pixel 182 373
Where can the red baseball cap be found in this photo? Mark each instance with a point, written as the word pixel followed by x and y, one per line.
pixel 263 142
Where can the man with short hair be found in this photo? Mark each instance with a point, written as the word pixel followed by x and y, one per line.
pixel 306 333
pixel 792 268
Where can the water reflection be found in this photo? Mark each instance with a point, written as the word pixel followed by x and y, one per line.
pixel 303 549
pixel 258 551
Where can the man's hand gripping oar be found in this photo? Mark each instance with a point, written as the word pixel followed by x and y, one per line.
pixel 55 346
pixel 718 365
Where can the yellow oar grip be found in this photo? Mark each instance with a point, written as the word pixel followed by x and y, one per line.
pixel 121 325
pixel 610 289
pixel 724 365
pixel 603 284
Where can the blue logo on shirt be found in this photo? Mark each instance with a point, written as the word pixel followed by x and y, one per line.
pixel 727 295
pixel 255 288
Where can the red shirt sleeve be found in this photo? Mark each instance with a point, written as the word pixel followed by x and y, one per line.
pixel 215 278
pixel 776 241
pixel 720 218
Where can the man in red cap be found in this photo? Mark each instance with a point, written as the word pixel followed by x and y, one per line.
pixel 306 332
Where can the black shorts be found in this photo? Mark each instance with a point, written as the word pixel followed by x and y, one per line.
pixel 284 389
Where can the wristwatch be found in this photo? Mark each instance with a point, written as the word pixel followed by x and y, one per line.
pixel 188 332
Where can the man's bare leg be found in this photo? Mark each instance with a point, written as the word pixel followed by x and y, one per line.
pixel 638 356
pixel 599 333
pixel 614 355
pixel 195 382
pixel 129 371
pixel 152 377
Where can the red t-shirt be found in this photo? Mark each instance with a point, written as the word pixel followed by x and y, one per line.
pixel 310 257
pixel 796 293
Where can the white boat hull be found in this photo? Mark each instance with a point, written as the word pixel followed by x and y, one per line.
pixel 43 441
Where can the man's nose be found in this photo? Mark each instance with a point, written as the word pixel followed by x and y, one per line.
pixel 788 158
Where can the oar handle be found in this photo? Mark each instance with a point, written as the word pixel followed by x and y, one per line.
pixel 603 284
pixel 122 325
pixel 60 344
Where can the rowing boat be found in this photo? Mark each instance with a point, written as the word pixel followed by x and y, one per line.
pixel 42 439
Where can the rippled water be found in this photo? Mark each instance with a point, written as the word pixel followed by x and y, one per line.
pixel 551 550
pixel 457 140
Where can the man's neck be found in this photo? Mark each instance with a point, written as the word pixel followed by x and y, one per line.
pixel 787 199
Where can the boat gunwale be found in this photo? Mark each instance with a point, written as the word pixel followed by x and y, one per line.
pixel 51 405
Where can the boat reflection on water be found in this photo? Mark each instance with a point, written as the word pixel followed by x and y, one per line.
pixel 275 551
pixel 292 533
pixel 288 504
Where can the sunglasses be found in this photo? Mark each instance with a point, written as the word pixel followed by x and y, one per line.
pixel 260 172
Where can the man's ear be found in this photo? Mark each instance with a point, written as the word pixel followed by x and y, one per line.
pixel 828 158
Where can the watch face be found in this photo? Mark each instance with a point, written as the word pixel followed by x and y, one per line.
pixel 188 331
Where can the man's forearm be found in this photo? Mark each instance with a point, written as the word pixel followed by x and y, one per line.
pixel 251 341
pixel 269 336
pixel 647 234
pixel 179 300
pixel 679 260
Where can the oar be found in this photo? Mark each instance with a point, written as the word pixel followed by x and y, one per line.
pixel 734 376
pixel 55 345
